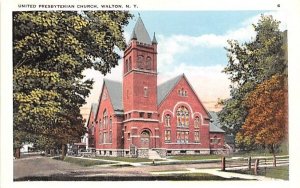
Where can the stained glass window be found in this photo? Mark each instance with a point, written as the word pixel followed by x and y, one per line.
pixel 182 117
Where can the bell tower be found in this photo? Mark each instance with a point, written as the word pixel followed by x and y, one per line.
pixel 140 89
pixel 140 71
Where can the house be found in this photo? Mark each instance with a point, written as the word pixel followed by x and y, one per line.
pixel 136 116
pixel 229 142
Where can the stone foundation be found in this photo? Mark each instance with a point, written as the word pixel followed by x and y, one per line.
pixel 143 153
pixel 219 151
pixel 187 152
pixel 161 152
pixel 111 153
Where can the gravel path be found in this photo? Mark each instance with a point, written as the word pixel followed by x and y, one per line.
pixel 44 166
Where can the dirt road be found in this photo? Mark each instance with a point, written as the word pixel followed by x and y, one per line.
pixel 44 166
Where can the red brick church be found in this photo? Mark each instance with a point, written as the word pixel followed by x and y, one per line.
pixel 138 116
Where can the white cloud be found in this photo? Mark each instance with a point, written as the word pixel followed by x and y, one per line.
pixel 278 15
pixel 174 45
pixel 209 82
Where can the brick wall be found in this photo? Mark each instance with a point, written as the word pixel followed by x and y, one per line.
pixel 195 108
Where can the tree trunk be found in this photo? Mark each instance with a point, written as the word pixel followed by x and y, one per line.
pixel 63 151
pixel 274 156
pixel 52 152
pixel 17 153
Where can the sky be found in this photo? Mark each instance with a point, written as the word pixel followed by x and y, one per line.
pixel 193 43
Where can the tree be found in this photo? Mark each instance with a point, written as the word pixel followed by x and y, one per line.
pixel 266 123
pixel 250 64
pixel 50 51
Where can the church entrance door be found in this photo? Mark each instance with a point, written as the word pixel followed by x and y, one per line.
pixel 145 139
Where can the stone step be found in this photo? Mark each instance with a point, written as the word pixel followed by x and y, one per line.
pixel 153 154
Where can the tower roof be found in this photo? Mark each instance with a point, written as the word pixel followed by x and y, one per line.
pixel 154 41
pixel 140 33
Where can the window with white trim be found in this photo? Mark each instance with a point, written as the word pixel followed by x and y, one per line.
pixel 197 122
pixel 182 117
pixel 167 120
pixel 197 136
pixel 167 136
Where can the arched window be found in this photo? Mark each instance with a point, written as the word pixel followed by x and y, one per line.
pixel 105 118
pixel 167 120
pixel 182 117
pixel 197 122
pixel 126 66
pixel 129 64
pixel 148 63
pixel 110 122
pixel 140 60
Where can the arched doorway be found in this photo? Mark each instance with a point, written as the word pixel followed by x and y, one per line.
pixel 145 139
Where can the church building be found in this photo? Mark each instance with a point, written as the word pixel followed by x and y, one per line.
pixel 136 117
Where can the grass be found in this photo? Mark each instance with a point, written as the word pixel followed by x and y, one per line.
pixel 281 172
pixel 197 177
pixel 171 170
pixel 134 177
pixel 85 162
pixel 195 157
pixel 125 159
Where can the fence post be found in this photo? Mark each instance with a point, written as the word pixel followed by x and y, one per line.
pixel 256 166
pixel 249 163
pixel 223 164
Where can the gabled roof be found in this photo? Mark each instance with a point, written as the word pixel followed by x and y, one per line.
pixel 215 118
pixel 94 108
pixel 165 88
pixel 93 111
pixel 214 125
pixel 115 93
pixel 215 129
pixel 140 33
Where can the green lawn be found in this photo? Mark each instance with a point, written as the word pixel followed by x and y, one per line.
pixel 240 154
pixel 195 157
pixel 196 177
pixel 125 159
pixel 85 162
pixel 280 172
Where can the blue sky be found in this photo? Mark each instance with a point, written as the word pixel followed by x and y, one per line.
pixel 192 42
pixel 192 22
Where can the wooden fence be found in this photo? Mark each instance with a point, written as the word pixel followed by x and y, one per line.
pixel 251 163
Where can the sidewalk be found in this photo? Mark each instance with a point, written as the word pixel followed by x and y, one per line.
pixel 217 172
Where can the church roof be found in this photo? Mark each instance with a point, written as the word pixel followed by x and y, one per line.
pixel 214 125
pixel 215 129
pixel 94 108
pixel 115 92
pixel 165 88
pixel 140 33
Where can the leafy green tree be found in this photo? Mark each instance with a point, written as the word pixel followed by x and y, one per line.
pixel 249 64
pixel 50 51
